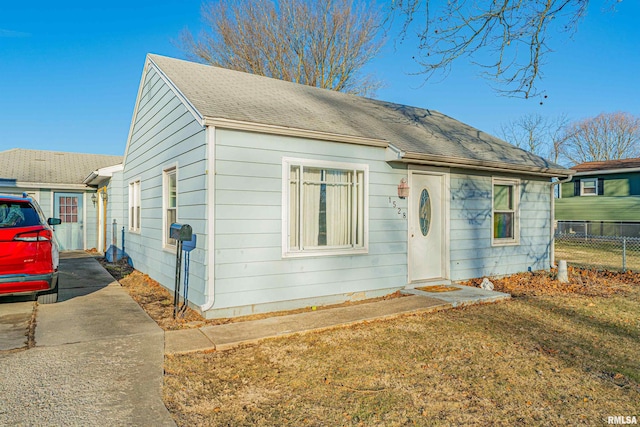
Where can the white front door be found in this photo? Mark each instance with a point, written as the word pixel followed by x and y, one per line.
pixel 428 245
pixel 68 207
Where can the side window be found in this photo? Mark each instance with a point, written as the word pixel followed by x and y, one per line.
pixel 134 206
pixel 170 204
pixel 589 187
pixel 505 212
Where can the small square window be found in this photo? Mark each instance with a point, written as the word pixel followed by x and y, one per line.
pixel 589 187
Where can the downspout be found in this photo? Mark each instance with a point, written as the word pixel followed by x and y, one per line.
pixel 552 249
pixel 209 293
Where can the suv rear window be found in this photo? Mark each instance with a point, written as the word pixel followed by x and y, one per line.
pixel 16 214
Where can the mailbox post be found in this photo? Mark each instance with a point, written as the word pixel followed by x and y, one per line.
pixel 181 233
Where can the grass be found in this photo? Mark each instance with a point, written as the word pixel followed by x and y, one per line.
pixel 597 253
pixel 540 359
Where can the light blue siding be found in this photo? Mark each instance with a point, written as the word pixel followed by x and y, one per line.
pixel 165 134
pixel 251 273
pixel 472 254
pixel 118 196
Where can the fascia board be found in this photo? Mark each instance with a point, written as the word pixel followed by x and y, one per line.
pixel 295 132
pixel 454 162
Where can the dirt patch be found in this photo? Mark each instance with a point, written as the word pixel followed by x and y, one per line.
pixel 581 282
pixel 157 301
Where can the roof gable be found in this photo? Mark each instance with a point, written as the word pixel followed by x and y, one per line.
pixel 217 93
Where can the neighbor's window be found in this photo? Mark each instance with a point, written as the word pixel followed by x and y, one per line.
pixel 170 203
pixel 134 206
pixel 505 212
pixel 589 187
pixel 326 210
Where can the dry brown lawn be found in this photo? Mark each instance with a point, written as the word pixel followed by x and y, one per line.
pixel 553 355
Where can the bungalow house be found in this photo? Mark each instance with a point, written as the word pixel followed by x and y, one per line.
pixel 602 199
pixel 56 181
pixel 301 196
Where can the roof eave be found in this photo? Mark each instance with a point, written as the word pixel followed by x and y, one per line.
pixel 456 162
pixel 48 186
pixel 607 171
pixel 294 132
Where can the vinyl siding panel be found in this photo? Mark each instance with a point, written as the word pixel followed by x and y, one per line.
pixel 250 270
pixel 117 204
pixel 598 208
pixel 472 254
pixel 166 134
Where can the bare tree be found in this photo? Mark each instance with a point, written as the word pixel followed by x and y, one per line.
pixel 507 39
pixel 322 43
pixel 538 134
pixel 608 136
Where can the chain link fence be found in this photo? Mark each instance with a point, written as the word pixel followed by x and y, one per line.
pixel 601 244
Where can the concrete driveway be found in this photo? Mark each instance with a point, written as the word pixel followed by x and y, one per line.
pixel 97 359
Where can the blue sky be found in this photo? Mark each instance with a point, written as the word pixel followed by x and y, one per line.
pixel 69 71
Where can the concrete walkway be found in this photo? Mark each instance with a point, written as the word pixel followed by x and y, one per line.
pixel 98 358
pixel 223 337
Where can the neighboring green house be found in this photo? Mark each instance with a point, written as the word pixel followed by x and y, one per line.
pixel 603 198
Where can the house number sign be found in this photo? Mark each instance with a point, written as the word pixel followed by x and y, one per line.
pixel 399 211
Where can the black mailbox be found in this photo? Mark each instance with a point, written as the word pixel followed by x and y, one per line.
pixel 181 232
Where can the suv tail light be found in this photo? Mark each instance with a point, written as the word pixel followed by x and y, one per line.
pixel 34 236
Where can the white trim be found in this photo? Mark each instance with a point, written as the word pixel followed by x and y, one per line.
pixel 515 241
pixel 84 220
pixel 99 175
pixel 484 165
pixel 295 132
pixel 48 186
pixel 209 294
pixel 595 187
pixel 286 164
pixel 446 206
pixel 131 198
pixel 166 170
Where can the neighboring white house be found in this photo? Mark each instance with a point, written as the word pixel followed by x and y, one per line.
pixel 56 180
pixel 294 192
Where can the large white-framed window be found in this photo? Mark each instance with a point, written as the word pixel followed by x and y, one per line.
pixel 589 187
pixel 134 206
pixel 325 207
pixel 505 224
pixel 169 204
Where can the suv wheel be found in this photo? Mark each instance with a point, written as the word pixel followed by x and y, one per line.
pixel 49 297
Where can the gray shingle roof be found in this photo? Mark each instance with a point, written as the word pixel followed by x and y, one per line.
pixel 225 94
pixel 39 166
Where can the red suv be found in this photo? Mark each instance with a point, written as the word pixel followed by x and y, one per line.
pixel 28 250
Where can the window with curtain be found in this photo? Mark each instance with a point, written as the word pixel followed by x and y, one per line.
pixel 170 203
pixel 326 207
pixel 134 206
pixel 505 212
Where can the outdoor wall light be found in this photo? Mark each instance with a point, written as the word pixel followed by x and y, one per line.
pixel 403 189
pixel 93 199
